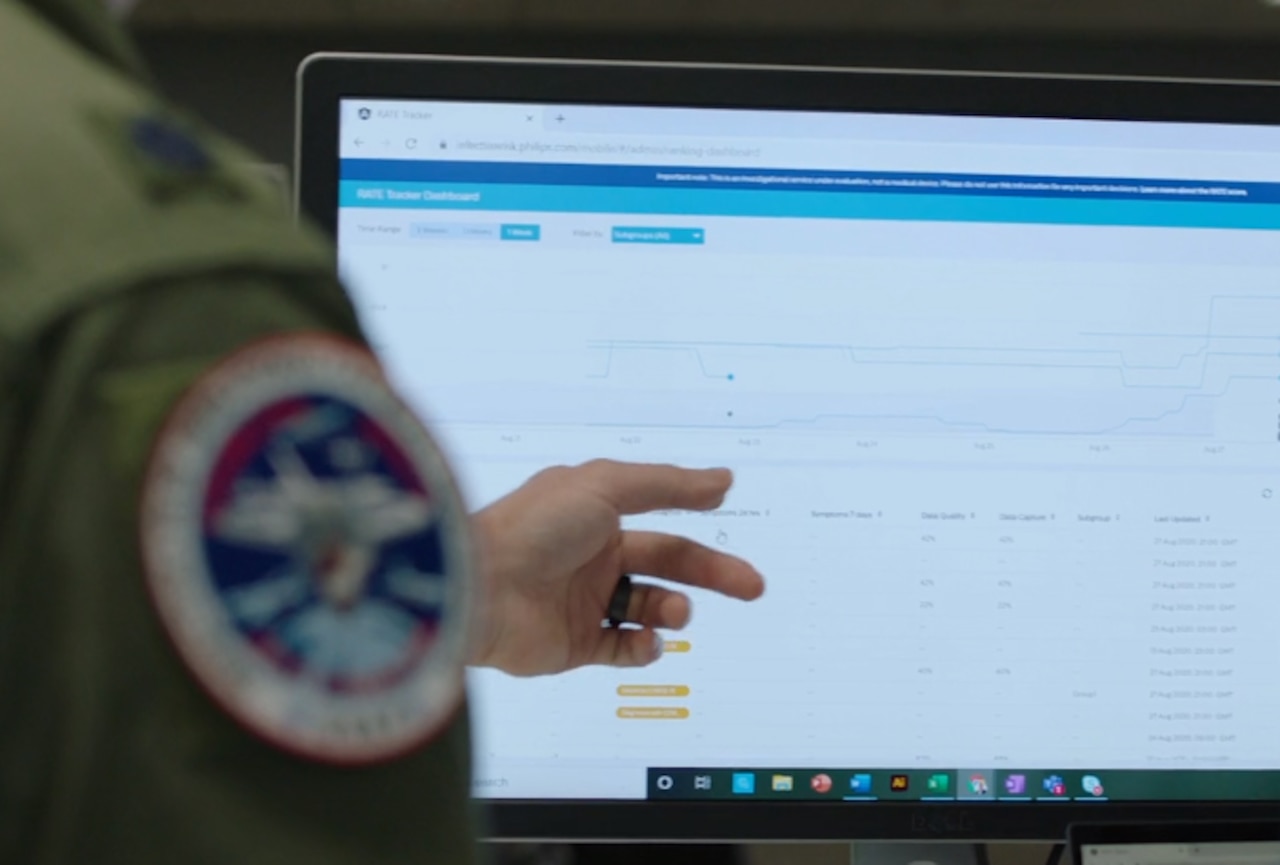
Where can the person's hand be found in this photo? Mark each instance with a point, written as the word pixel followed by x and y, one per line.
pixel 552 552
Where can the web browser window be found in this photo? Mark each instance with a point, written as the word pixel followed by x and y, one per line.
pixel 1002 397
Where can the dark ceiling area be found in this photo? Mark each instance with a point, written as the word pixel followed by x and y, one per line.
pixel 242 79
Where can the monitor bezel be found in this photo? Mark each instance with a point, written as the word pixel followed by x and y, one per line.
pixel 325 80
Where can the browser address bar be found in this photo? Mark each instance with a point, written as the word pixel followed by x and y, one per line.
pixel 917 157
pixel 616 147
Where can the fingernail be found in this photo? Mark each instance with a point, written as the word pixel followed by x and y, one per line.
pixel 659 646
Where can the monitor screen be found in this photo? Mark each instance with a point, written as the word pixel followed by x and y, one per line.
pixel 1002 397
pixel 1209 853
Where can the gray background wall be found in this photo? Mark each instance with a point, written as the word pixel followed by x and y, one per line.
pixel 242 77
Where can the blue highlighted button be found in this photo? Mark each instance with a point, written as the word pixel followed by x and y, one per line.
pixel 629 234
pixel 744 783
pixel 521 232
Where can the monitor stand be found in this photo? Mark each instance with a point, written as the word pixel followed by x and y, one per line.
pixel 894 853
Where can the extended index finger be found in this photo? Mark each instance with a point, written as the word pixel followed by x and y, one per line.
pixel 682 560
pixel 636 488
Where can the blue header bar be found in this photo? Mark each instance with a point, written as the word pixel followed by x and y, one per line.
pixel 946 207
pixel 795 180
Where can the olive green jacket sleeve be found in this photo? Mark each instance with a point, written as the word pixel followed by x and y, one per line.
pixel 110 752
pixel 136 251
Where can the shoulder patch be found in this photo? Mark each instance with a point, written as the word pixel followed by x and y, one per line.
pixel 308 552
pixel 166 157
pixel 169 145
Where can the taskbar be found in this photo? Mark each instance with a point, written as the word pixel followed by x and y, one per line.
pixel 961 785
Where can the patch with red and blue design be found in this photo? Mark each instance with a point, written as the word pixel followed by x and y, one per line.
pixel 308 552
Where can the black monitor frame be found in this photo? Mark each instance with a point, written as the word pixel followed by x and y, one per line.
pixel 325 80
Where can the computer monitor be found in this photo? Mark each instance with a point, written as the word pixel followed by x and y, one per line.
pixel 1197 843
pixel 996 361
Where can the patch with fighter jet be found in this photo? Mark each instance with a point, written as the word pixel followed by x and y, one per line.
pixel 307 551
